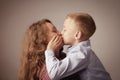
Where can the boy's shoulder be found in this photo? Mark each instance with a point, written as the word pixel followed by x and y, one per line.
pixel 81 47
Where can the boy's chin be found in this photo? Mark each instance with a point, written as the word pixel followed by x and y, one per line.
pixel 65 43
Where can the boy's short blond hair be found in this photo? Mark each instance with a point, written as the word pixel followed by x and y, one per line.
pixel 85 24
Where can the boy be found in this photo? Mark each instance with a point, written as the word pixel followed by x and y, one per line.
pixel 80 59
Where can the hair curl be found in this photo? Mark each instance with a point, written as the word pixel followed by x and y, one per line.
pixel 33 57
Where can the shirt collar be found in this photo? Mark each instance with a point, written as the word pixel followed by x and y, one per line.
pixel 80 44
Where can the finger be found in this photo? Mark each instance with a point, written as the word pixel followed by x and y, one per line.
pixel 53 38
pixel 60 43
pixel 59 40
pixel 56 39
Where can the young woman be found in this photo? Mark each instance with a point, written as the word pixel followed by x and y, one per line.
pixel 35 43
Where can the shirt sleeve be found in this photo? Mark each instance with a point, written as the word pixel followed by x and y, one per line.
pixel 71 64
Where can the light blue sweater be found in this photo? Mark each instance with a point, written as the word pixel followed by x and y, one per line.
pixel 81 59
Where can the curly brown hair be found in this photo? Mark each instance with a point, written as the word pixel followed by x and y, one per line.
pixel 34 45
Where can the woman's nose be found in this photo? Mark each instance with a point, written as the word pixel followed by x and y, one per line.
pixel 59 33
pixel 62 32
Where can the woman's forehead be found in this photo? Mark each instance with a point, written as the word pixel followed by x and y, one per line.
pixel 51 26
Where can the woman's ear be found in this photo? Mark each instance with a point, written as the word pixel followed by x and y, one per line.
pixel 78 35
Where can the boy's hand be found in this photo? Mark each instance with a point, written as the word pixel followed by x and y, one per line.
pixel 55 43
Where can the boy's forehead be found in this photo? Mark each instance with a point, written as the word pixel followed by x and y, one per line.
pixel 69 22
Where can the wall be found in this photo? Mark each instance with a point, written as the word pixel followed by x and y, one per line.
pixel 17 15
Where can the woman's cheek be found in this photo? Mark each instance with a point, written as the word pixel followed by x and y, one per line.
pixel 50 36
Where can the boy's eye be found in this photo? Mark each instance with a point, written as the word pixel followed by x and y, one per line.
pixel 64 30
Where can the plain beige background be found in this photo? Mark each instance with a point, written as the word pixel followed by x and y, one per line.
pixel 17 15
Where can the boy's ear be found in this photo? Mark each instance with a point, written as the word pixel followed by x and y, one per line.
pixel 78 35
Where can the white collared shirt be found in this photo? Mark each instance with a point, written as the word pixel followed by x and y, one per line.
pixel 81 59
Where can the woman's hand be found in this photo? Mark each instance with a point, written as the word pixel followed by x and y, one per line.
pixel 55 43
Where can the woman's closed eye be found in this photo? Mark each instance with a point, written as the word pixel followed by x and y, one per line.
pixel 54 31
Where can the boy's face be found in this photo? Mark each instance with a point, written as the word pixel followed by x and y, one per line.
pixel 68 31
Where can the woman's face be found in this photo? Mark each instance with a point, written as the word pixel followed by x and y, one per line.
pixel 51 31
